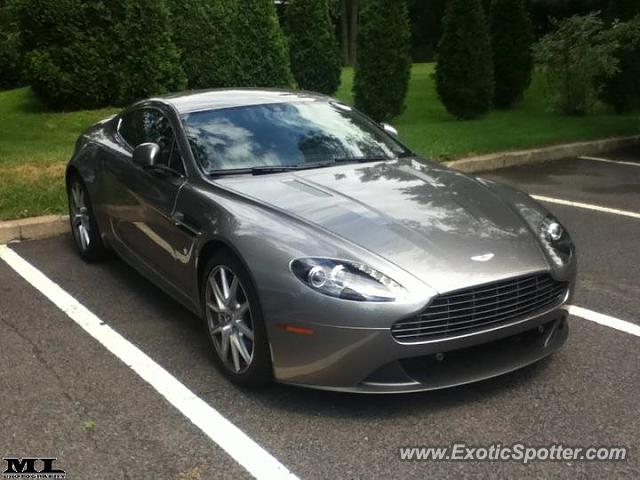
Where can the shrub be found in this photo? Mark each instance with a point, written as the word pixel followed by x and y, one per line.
pixel 314 53
pixel 464 72
pixel 208 43
pixel 88 54
pixel 576 59
pixel 10 48
pixel 67 61
pixel 384 65
pixel 146 61
pixel 511 41
pixel 622 89
pixel 263 56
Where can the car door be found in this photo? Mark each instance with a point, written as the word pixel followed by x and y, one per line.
pixel 142 200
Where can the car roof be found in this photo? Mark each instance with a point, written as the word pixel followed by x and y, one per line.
pixel 195 101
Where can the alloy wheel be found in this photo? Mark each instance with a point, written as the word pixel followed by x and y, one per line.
pixel 229 319
pixel 80 220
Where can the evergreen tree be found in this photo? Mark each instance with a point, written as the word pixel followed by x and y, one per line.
pixel 67 58
pixel 511 40
pixel 147 61
pixel 204 32
pixel 10 48
pixel 314 53
pixel 464 73
pixel 383 67
pixel 88 54
pixel 263 56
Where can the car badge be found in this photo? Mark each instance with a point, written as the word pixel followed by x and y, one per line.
pixel 483 258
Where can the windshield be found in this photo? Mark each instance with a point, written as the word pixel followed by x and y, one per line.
pixel 285 135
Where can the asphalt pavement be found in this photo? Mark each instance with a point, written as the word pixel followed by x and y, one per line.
pixel 64 395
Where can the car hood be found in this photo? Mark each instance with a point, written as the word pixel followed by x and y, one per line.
pixel 444 227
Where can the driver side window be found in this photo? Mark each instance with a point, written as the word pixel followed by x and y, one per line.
pixel 130 128
pixel 150 125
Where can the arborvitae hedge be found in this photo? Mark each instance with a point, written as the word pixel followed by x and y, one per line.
pixel 67 60
pixel 263 56
pixel 147 61
pixel 87 54
pixel 511 40
pixel 464 72
pixel 10 48
pixel 204 32
pixel 314 53
pixel 384 65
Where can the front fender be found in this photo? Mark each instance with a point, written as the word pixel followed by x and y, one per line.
pixel 533 212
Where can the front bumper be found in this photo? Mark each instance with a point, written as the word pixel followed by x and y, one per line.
pixel 368 360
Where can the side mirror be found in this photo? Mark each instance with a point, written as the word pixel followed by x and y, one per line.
pixel 389 129
pixel 146 155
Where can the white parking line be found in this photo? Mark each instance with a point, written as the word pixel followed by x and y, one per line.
pixel 587 206
pixel 257 461
pixel 618 162
pixel 605 320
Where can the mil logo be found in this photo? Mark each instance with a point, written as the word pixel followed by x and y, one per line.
pixel 32 468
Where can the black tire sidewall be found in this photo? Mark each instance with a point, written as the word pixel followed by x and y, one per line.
pixel 260 372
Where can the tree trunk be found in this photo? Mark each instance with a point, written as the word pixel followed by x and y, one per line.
pixel 353 30
pixel 349 30
pixel 344 30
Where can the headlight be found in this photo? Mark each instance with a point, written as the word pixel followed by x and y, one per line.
pixel 556 241
pixel 347 280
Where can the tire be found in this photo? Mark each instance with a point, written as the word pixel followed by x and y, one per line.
pixel 84 227
pixel 231 320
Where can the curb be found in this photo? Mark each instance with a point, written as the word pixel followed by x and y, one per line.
pixel 494 161
pixel 33 228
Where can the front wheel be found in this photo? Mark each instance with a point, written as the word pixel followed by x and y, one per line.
pixel 83 222
pixel 234 322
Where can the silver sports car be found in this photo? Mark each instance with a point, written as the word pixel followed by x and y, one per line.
pixel 317 248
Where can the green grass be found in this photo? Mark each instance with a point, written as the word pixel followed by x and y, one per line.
pixel 34 147
pixel 429 130
pixel 35 144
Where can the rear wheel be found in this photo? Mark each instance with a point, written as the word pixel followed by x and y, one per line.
pixel 83 223
pixel 234 322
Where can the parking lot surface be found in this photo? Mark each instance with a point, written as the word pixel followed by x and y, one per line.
pixel 66 396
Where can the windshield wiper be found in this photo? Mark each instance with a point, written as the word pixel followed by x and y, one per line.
pixel 264 170
pixel 379 158
pixel 268 169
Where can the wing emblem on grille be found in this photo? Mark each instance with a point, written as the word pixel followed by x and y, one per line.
pixel 483 258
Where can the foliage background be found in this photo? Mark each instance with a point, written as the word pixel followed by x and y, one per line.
pixel 464 72
pixel 383 67
pixel 313 45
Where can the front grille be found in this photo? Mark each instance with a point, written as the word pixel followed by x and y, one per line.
pixel 476 308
